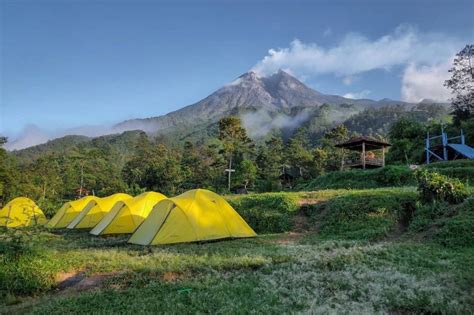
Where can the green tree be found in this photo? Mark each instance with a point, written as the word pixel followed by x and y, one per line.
pixel 8 173
pixel 299 157
pixel 336 135
pixel 234 139
pixel 320 160
pixel 406 137
pixel 270 161
pixel 246 173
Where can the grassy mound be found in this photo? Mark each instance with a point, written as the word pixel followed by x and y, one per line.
pixel 27 267
pixel 461 169
pixel 389 176
pixel 366 215
pixel 267 213
pixel 458 230
pixel 363 179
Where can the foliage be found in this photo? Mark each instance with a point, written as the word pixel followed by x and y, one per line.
pixel 26 269
pixel 461 84
pixel 360 179
pixel 426 214
pixel 458 230
pixel 379 121
pixel 269 163
pixel 338 134
pixel 407 139
pixel 267 213
pixel 246 173
pixel 366 215
pixel 436 187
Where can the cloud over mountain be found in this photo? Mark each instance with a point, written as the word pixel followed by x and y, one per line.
pixel 355 54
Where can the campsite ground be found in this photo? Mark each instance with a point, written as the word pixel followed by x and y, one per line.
pixel 322 266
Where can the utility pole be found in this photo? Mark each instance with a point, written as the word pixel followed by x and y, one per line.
pixel 82 180
pixel 229 172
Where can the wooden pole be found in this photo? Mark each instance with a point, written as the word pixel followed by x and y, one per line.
pixel 363 155
pixel 383 156
pixel 230 172
pixel 342 159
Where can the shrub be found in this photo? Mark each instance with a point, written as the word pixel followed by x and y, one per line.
pixel 426 214
pixel 436 187
pixel 367 215
pixel 267 213
pixel 461 169
pixel 364 179
pixel 26 269
pixel 459 229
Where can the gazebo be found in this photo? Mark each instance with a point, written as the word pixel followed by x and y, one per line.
pixel 366 146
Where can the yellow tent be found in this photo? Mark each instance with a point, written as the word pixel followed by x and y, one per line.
pixel 95 211
pixel 69 211
pixel 20 212
pixel 127 215
pixel 196 215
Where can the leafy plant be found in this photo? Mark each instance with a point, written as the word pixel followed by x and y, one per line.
pixel 433 186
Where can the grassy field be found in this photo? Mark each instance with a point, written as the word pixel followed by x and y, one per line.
pixel 331 251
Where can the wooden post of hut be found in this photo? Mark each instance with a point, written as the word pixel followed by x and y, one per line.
pixel 365 145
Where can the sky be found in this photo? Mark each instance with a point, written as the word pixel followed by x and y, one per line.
pixel 69 63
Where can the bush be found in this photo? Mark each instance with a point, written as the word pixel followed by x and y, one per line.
pixel 367 215
pixel 267 213
pixel 26 269
pixel 363 179
pixel 427 214
pixel 461 169
pixel 459 229
pixel 436 187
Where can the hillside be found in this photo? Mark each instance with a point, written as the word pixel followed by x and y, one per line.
pixel 123 143
pixel 278 101
pixel 278 104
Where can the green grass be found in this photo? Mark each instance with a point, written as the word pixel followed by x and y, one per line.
pixel 367 215
pixel 389 176
pixel 260 275
pixel 363 179
pixel 351 259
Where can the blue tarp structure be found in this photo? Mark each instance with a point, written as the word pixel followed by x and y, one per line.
pixel 463 149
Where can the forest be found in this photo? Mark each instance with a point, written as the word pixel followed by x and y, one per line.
pixel 134 162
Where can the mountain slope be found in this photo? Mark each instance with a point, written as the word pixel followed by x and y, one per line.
pixel 279 93
pixel 278 103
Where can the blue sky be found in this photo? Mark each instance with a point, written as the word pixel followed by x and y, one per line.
pixel 70 63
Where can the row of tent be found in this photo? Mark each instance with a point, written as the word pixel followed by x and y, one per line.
pixel 151 217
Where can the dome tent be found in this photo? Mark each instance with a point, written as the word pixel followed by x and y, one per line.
pixel 127 215
pixel 21 212
pixel 196 215
pixel 69 211
pixel 95 211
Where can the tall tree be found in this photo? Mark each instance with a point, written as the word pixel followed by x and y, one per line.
pixel 461 84
pixel 246 173
pixel 270 161
pixel 406 137
pixel 336 135
pixel 235 140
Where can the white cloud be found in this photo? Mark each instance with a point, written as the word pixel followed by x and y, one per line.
pixel 425 82
pixel 357 54
pixel 357 95
pixel 419 53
